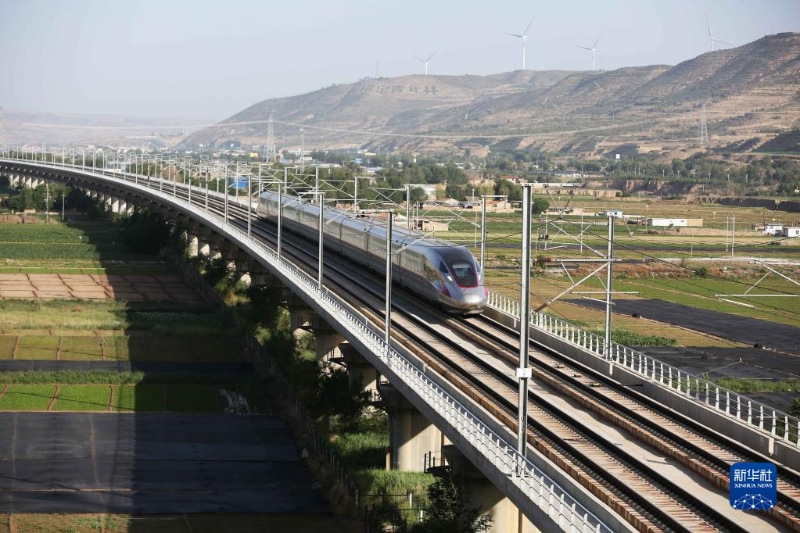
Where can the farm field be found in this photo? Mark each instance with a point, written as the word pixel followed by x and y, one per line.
pixel 72 296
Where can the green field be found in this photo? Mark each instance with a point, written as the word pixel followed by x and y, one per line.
pixel 82 398
pixel 27 397
pixel 228 523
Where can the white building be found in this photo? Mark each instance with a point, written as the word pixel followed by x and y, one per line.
pixel 773 229
pixel 616 213
pixel 674 222
pixel 791 231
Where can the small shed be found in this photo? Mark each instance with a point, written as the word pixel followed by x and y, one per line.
pixel 791 231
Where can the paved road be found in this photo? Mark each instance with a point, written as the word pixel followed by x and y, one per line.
pixel 151 463
pixel 736 328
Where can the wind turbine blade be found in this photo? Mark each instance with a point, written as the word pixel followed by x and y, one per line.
pixel 584 47
pixel 528 27
pixel 709 28
pixel 430 56
pixel 598 40
pixel 419 58
pixel 514 35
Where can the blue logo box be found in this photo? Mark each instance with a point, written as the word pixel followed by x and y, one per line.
pixel 753 486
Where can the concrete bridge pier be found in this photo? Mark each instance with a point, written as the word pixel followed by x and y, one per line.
pixel 327 341
pixel 359 371
pixel 301 316
pixel 481 493
pixel 411 435
pixel 245 265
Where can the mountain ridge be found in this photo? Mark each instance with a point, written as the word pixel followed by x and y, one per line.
pixel 550 110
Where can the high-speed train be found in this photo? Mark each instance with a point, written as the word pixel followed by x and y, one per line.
pixel 439 271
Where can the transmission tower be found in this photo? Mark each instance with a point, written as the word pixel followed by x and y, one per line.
pixel 270 155
pixel 2 134
pixel 702 132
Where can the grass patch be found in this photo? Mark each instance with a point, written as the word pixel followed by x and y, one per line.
pixel 192 399
pixel 37 347
pixel 83 398
pixel 81 348
pixel 744 386
pixel 7 343
pixel 363 450
pixel 375 481
pixel 111 315
pixel 140 398
pixel 27 397
pixel 629 338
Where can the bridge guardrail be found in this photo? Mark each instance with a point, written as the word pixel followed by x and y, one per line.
pixel 755 414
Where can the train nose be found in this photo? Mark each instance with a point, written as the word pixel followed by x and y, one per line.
pixel 472 298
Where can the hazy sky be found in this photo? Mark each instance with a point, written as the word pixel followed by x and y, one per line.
pixel 208 60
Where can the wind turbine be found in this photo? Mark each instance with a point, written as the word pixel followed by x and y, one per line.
pixel 593 48
pixel 711 39
pixel 426 61
pixel 523 37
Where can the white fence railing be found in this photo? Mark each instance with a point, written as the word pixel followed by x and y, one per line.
pixel 541 490
pixel 758 415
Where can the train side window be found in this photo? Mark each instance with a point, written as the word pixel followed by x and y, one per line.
pixel 430 273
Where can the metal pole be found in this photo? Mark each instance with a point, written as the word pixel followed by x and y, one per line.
pixel 610 255
pixel 188 170
pixel 321 235
pixel 483 236
pixel 249 205
pixel 523 372
pixel 388 309
pixel 226 192
pixel 280 218
pixel 733 233
pixel 408 206
pixel 355 194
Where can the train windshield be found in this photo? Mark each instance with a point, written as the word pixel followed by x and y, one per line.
pixel 460 265
pixel 464 273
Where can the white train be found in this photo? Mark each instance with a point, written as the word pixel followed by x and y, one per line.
pixel 439 271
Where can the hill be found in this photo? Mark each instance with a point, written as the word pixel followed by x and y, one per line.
pixel 750 95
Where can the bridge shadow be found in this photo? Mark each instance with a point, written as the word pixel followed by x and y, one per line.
pixel 146 416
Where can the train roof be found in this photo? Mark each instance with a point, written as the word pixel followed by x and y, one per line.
pixel 361 222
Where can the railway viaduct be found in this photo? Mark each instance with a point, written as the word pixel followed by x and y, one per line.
pixel 428 416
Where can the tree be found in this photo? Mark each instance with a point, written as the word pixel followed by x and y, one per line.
pixel 539 205
pixel 448 509
pixel 509 189
pixel 418 195
pixel 456 192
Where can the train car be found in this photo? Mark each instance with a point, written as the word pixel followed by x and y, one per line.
pixel 439 271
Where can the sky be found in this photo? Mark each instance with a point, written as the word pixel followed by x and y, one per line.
pixel 207 60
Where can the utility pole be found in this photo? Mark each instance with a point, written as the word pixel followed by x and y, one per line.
pixel 388 307
pixel 62 206
pixel 609 279
pixel 523 372
pixel 321 236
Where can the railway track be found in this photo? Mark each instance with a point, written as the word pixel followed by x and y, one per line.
pixel 670 474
